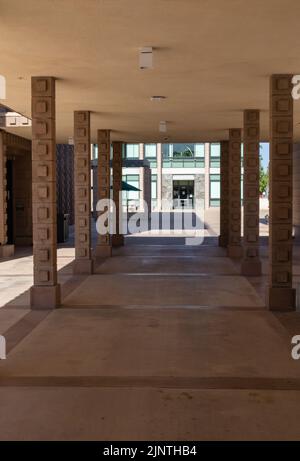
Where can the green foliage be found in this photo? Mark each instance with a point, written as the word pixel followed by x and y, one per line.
pixel 263 177
pixel 183 154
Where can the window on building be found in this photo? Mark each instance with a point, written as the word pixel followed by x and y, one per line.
pixel 151 154
pixel 153 191
pixel 132 150
pixel 214 190
pixel 94 151
pixel 167 150
pixel 132 180
pixel 154 186
pixel 242 187
pixel 150 150
pixel 183 155
pixel 200 155
pixel 183 150
pixel 242 155
pixel 215 153
pixel 200 150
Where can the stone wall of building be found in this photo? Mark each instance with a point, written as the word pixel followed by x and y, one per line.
pixel 22 199
pixel 3 194
pixel 22 185
pixel 15 190
pixel 199 188
pixel 167 188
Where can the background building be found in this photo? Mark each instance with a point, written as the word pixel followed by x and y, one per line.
pixel 179 172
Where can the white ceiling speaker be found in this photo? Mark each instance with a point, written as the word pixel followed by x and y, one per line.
pixel 163 127
pixel 146 57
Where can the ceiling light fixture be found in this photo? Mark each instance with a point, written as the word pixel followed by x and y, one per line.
pixel 146 57
pixel 163 127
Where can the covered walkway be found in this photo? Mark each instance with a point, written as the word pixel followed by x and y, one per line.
pixel 163 341
pixel 137 338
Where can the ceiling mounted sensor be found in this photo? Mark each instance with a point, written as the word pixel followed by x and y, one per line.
pixel 163 127
pixel 158 98
pixel 146 58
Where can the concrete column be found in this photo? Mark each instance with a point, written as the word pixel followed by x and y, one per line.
pixel 296 192
pixel 207 173
pixel 159 160
pixel 281 295
pixel 251 264
pixel 45 293
pixel 3 202
pixel 83 263
pixel 234 248
pixel 147 188
pixel 224 212
pixel 103 248
pixel 117 238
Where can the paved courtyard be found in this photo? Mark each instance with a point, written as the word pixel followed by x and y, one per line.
pixel 164 341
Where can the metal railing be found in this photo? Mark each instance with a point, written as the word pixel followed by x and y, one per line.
pixel 192 162
pixel 180 203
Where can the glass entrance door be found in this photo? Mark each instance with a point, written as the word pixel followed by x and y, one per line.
pixel 183 194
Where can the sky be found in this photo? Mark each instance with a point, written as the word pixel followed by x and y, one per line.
pixel 264 151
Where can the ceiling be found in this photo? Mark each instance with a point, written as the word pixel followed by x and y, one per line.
pixel 212 60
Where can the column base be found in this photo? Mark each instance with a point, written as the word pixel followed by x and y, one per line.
pixel 234 251
pixel 83 266
pixel 117 240
pixel 45 297
pixel 281 299
pixel 7 251
pixel 223 241
pixel 103 251
pixel 250 267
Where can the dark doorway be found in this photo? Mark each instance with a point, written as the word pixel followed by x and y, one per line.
pixel 183 194
pixel 10 208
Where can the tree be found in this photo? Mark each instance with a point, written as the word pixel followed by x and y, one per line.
pixel 263 177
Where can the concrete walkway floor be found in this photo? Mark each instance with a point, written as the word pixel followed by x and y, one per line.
pixel 163 342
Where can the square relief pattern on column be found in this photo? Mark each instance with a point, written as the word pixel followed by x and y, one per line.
pixel 251 184
pixel 117 179
pixel 104 178
pixel 44 180
pixel 82 184
pixel 234 202
pixel 281 187
pixel 224 212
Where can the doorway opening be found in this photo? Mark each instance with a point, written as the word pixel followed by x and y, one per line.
pixel 183 194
